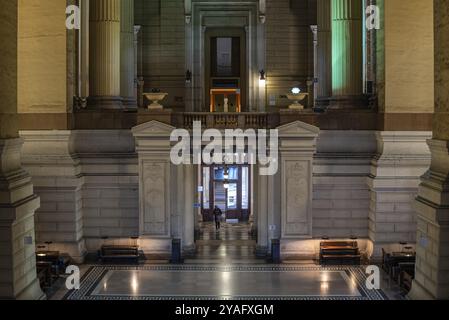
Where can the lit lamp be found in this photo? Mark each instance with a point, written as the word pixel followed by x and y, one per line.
pixel 262 79
pixel 296 96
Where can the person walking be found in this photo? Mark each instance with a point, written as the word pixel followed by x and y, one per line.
pixel 217 216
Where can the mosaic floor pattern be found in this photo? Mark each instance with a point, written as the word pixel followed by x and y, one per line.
pixel 199 282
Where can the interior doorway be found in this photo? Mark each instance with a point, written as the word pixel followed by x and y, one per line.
pixel 228 188
pixel 226 75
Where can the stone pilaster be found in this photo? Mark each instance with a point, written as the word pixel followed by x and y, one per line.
pixel 297 146
pixel 402 158
pixel 189 219
pixel 105 54
pixel 56 172
pixel 262 215
pixel 156 191
pixel 17 200
pixel 347 53
pixel 127 54
pixel 324 49
pixel 432 261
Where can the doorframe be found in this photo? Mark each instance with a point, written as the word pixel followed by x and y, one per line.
pixel 219 14
pixel 231 32
pixel 239 189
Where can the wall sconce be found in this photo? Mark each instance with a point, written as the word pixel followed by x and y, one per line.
pixel 188 76
pixel 262 79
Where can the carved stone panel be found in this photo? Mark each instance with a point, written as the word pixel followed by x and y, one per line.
pixel 155 201
pixel 296 202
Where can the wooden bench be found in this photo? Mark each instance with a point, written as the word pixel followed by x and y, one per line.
pixel 108 252
pixel 339 252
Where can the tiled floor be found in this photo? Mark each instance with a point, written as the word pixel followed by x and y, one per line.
pixel 225 267
pixel 224 282
pixel 233 243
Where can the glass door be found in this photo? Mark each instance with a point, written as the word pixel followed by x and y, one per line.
pixel 229 189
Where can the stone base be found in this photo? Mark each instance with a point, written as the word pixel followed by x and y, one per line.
pixel 261 251
pixel 155 246
pixel 189 251
pixel 129 104
pixel 32 292
pixel 105 103
pixel 161 115
pixel 419 293
pixel 348 102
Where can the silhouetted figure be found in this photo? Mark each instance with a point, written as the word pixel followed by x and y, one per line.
pixel 217 217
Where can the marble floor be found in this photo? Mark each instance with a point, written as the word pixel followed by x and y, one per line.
pixel 232 243
pixel 224 282
pixel 225 267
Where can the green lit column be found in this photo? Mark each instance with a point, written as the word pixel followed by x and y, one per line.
pixel 347 54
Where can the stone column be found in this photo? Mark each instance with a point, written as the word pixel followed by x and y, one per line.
pixel 17 199
pixel 432 261
pixel 347 54
pixel 83 51
pixel 127 54
pixel 105 54
pixel 324 52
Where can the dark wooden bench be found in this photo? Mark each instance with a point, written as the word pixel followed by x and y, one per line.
pixel 108 252
pixel 339 252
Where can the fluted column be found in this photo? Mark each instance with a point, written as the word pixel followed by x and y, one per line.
pixel 324 52
pixel 432 261
pixel 347 53
pixel 127 54
pixel 17 201
pixel 105 54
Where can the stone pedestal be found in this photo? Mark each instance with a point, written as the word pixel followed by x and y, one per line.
pixel 432 261
pixel 403 157
pixel 17 200
pixel 17 242
pixel 56 171
pixel 105 54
